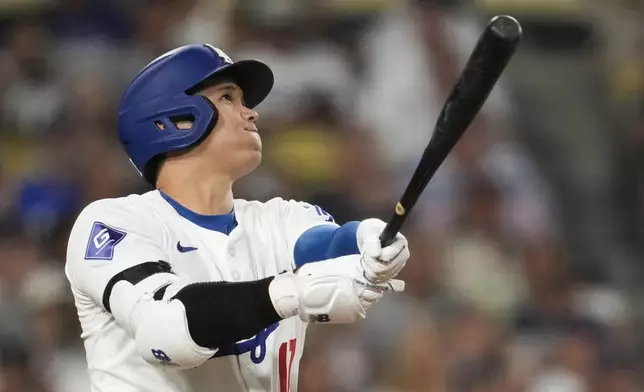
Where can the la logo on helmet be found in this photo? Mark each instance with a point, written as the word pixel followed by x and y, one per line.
pixel 221 54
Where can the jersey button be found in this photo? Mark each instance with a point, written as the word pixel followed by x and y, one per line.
pixel 236 275
pixel 231 252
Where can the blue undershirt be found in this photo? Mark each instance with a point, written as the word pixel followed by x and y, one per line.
pixel 224 223
pixel 316 244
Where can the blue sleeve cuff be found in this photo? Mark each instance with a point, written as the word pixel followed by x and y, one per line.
pixel 326 242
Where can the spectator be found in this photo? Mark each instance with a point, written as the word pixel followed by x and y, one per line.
pixel 16 373
pixel 33 100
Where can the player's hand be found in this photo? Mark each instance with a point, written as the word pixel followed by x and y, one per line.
pixel 351 266
pixel 380 264
pixel 330 291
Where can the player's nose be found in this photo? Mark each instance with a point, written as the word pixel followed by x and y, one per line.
pixel 250 115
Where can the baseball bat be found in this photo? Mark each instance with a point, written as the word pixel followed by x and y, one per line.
pixel 490 56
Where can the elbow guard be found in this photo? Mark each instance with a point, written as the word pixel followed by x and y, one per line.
pixel 160 329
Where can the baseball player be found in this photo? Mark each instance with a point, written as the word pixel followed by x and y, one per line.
pixel 186 288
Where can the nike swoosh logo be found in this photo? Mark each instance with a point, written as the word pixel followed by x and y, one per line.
pixel 185 249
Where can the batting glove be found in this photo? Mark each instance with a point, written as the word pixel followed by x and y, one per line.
pixel 319 298
pixel 380 264
pixel 368 293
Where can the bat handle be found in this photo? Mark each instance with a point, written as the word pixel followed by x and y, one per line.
pixel 391 229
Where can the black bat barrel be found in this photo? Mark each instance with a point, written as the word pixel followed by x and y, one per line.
pixel 492 53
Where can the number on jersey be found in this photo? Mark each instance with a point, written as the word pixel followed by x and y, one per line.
pixel 319 211
pixel 285 363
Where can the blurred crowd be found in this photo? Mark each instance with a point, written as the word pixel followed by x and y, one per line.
pixel 526 247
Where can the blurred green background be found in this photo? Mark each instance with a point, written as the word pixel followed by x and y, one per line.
pixel 527 246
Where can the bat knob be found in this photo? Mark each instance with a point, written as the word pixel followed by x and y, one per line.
pixel 506 28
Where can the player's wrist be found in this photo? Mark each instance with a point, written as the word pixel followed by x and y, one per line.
pixel 316 298
pixel 283 294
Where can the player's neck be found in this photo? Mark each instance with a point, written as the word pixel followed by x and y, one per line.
pixel 210 196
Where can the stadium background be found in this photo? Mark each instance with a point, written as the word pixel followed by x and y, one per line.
pixel 527 249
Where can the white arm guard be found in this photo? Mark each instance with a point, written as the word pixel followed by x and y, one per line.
pixel 159 328
pixel 318 298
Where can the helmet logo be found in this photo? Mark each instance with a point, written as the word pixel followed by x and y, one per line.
pixel 221 54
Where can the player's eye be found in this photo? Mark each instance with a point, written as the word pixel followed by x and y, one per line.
pixel 227 97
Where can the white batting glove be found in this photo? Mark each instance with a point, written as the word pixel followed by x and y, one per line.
pixel 380 264
pixel 319 298
pixel 351 266
pixel 329 291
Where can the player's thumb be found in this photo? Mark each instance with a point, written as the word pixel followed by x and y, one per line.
pixel 367 235
pixel 396 285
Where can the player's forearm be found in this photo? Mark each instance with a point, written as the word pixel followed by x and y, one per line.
pixel 222 313
pixel 186 325
pixel 192 321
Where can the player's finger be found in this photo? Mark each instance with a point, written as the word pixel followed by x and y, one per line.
pixel 372 247
pixel 371 296
pixel 397 285
pixel 392 251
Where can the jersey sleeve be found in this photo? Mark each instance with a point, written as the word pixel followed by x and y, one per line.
pixel 313 235
pixel 299 216
pixel 112 241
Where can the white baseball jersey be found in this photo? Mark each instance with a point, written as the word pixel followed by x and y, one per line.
pixel 255 241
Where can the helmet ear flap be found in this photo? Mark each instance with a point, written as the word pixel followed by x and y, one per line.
pixel 152 167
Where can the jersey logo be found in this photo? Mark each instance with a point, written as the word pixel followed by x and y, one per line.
pixel 102 241
pixel 163 358
pixel 255 345
pixel 185 249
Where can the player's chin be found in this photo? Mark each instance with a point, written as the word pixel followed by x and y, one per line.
pixel 250 147
pixel 251 139
pixel 251 150
pixel 250 161
pixel 253 147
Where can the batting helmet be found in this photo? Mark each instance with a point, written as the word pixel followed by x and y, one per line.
pixel 162 94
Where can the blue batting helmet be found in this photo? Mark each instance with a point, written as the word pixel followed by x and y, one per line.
pixel 162 94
